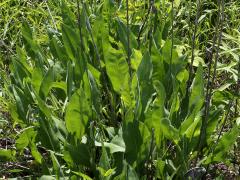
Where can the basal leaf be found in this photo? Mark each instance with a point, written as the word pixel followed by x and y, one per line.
pixel 196 100
pixel 77 113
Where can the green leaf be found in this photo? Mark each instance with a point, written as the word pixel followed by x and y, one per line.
pixel 95 93
pixel 71 41
pixel 56 166
pixel 47 81
pixel 104 162
pixel 46 177
pixel 158 65
pixel 117 144
pixel 156 113
pixel 76 154
pixel 117 67
pixel 118 71
pixel 77 113
pixel 127 173
pixel 224 145
pixel 166 53
pixel 109 172
pixel 84 176
pixel 57 49
pixel 37 156
pixel 168 130
pixel 69 79
pixel 144 71
pixel 136 59
pixel 25 138
pixel 21 103
pixel 196 100
pixel 122 33
pixel 137 139
pixel 20 71
pixel 7 155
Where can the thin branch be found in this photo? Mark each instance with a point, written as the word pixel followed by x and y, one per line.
pixel 224 122
pixel 193 46
pixel 79 26
pixel 237 91
pixel 204 123
pixel 128 40
pixel 49 11
pixel 172 39
pixel 144 22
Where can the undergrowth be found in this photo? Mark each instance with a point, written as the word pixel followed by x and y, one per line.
pixel 119 89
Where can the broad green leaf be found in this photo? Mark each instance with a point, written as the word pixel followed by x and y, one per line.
pixel 31 45
pixel 214 117
pixel 95 93
pixel 77 113
pixel 21 103
pixel 84 176
pixel 37 156
pixel 20 72
pixel 158 65
pixel 196 100
pixel 127 173
pixel 136 59
pixel 117 144
pixel 47 81
pixel 46 177
pixel 160 169
pixel 118 71
pixel 137 139
pixel 7 155
pixel 117 67
pixel 77 154
pixel 37 78
pixel 144 71
pixel 144 74
pixel 104 162
pixel 71 41
pixel 56 166
pixel 154 115
pixel 166 53
pixel 25 138
pixel 168 130
pixel 224 145
pixel 122 33
pixel 109 172
pixel 57 49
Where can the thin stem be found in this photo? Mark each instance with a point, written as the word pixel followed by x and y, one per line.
pixel 172 39
pixel 237 91
pixel 144 22
pixel 224 122
pixel 193 46
pixel 79 26
pixel 128 40
pixel 49 11
pixel 89 28
pixel 204 123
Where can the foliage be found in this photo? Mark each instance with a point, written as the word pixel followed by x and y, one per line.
pixel 98 93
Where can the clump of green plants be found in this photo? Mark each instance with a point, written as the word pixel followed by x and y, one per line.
pixel 116 93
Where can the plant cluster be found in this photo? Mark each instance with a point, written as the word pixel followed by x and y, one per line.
pixel 105 89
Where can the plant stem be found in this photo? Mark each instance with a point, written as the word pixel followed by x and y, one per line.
pixel 204 123
pixel 171 40
pixel 144 22
pixel 79 26
pixel 237 91
pixel 128 40
pixel 193 46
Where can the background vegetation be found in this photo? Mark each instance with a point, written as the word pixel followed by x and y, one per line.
pixel 130 89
